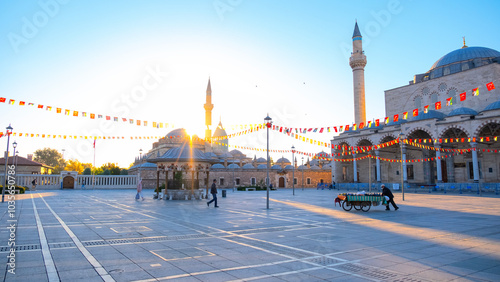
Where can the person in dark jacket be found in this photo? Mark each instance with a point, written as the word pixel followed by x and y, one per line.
pixel 213 191
pixel 388 193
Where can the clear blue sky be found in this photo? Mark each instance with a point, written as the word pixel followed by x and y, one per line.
pixel 288 58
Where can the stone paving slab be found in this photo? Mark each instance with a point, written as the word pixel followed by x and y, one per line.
pixel 106 235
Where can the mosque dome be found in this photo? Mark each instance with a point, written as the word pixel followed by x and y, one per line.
pixel 315 167
pixel 429 115
pixel 176 133
pixel 236 153
pixel 289 167
pixel 235 166
pixel 302 167
pixel 248 166
pixel 261 160
pixel 462 111
pixel 217 166
pixel 282 160
pixel 465 54
pixel 182 154
pixel 262 166
pixel 493 106
pixel 276 166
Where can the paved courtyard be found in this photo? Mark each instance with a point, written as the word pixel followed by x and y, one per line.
pixel 106 235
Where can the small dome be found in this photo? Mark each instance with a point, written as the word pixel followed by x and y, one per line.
pixel 314 162
pixel 462 111
pixel 217 166
pixel 302 167
pixel 492 106
pixel 465 54
pixel 276 166
pixel 315 167
pixel 236 153
pixel 226 155
pixel 231 166
pixel 248 166
pixel 289 167
pixel 261 160
pixel 429 115
pixel 283 160
pixel 327 166
pixel 262 166
pixel 210 155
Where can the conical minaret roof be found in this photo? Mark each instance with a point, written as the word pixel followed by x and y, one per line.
pixel 356 31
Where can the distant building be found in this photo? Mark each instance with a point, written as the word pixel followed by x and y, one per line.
pixel 229 168
pixel 26 166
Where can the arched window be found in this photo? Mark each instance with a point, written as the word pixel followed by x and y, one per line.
pixel 418 102
pixel 434 97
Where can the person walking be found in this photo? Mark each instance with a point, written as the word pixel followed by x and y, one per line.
pixel 139 191
pixel 33 184
pixel 213 191
pixel 388 193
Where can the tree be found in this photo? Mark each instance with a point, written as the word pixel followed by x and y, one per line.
pixel 87 171
pixel 124 172
pixel 50 157
pixel 113 168
pixel 75 165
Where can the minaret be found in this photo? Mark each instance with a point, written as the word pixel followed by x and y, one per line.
pixel 357 61
pixel 208 112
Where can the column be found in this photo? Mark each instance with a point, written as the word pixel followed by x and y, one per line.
pixel 438 163
pixel 333 164
pixel 450 168
pixel 354 167
pixel 403 159
pixel 377 153
pixel 475 164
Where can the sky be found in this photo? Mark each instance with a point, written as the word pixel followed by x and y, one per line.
pixel 151 60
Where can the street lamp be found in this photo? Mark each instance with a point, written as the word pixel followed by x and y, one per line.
pixel 293 170
pixel 268 121
pixel 401 136
pixel 15 170
pixel 63 153
pixel 140 160
pixel 9 131
pixel 302 173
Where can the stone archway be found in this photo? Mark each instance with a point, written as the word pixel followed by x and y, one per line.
pixel 281 182
pixel 69 182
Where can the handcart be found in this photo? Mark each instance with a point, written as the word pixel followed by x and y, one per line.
pixel 360 202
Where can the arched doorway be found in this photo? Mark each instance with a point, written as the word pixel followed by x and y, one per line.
pixel 69 182
pixel 281 182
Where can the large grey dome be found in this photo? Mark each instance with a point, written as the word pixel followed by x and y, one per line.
pixel 492 106
pixel 465 54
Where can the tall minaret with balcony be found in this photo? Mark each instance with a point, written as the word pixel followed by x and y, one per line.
pixel 357 61
pixel 208 111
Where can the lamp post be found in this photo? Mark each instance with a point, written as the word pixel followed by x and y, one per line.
pixel 9 131
pixel 293 169
pixel 268 121
pixel 15 170
pixel 302 173
pixel 140 165
pixel 63 153
pixel 401 136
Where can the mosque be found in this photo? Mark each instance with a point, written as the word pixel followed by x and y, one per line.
pixel 213 160
pixel 449 117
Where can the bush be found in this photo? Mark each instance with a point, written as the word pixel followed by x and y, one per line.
pixel 19 189
pixel 161 188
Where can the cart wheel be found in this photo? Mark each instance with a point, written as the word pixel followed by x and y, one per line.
pixel 366 206
pixel 346 206
pixel 358 206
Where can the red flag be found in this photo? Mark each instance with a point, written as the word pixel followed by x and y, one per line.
pixel 75 113
pixel 463 96
pixel 396 118
pixel 58 110
pixel 490 86
pixel 108 117
pixel 415 112
pixel 2 100
pixel 438 105
pixel 377 122
pixel 40 106
pixel 92 116
pixel 21 103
